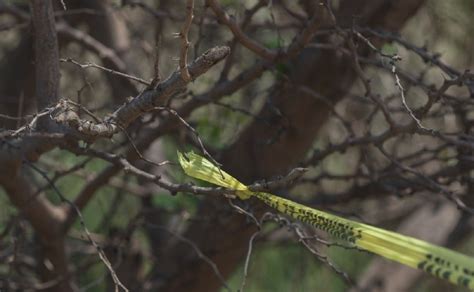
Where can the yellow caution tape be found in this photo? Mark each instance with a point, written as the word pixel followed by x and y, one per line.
pixel 438 261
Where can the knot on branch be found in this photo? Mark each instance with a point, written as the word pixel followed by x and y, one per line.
pixel 65 113
pixel 213 55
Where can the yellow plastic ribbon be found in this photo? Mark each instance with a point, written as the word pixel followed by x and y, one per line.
pixel 435 260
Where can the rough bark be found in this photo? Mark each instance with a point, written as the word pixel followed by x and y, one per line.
pixel 46 219
pixel 46 53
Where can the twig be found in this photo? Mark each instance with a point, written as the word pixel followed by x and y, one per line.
pixel 280 182
pixel 63 3
pixel 197 250
pixel 183 59
pixel 156 65
pixel 250 245
pixel 108 70
pixel 393 59
pixel 304 239
pixel 31 125
pixel 323 258
pixel 247 42
pixel 101 254
pixel 144 102
pixel 120 161
pixel 404 101
pixel 195 133
pixel 247 260
pixel 140 155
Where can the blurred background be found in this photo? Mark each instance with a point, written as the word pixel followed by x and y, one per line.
pixel 372 97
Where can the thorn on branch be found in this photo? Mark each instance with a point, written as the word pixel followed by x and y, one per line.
pixel 183 60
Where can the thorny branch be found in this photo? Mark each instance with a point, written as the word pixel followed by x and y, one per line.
pixel 388 148
pixel 300 234
pixel 183 34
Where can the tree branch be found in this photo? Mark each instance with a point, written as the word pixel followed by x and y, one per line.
pixel 144 102
pixel 46 52
pixel 266 149
pixel 183 59
pixel 247 42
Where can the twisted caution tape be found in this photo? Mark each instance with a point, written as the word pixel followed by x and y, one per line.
pixel 435 260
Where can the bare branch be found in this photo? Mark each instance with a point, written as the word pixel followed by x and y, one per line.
pixel 197 250
pixel 183 58
pixel 90 43
pixel 247 42
pixel 144 102
pixel 113 72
